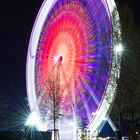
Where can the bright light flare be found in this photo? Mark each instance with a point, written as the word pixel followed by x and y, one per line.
pixel 32 120
pixel 119 48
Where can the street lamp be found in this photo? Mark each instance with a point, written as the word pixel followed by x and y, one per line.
pixel 32 119
pixel 119 48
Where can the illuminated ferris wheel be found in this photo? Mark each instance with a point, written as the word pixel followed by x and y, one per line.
pixel 71 58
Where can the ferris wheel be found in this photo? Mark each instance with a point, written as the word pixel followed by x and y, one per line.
pixel 71 59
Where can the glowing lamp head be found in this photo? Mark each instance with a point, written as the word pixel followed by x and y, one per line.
pixel 119 48
pixel 32 120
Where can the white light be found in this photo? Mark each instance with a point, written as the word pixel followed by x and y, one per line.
pixel 119 48
pixel 32 119
pixel 71 123
pixel 105 118
pixel 94 113
pixel 107 138
pixel 56 58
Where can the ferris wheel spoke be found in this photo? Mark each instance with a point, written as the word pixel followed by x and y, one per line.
pixel 71 95
pixel 91 92
pixel 84 101
pixel 94 11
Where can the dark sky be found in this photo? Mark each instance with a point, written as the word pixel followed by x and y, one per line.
pixel 134 5
pixel 16 21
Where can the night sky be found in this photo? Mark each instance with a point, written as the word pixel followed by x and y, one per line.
pixel 16 21
pixel 134 5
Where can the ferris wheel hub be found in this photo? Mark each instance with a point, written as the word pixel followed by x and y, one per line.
pixel 60 59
